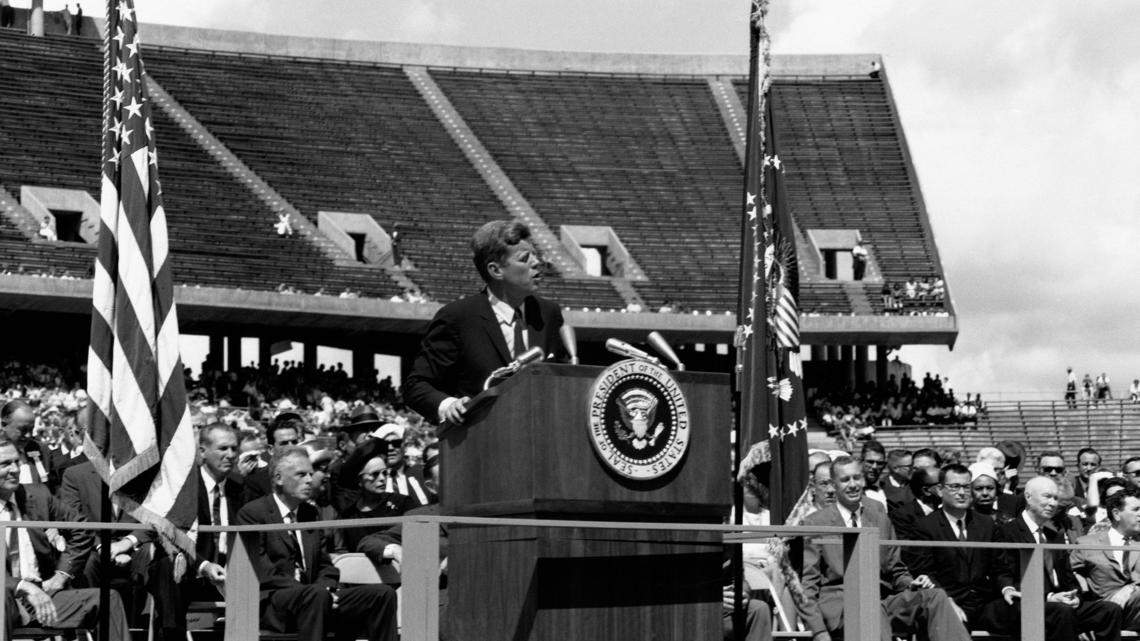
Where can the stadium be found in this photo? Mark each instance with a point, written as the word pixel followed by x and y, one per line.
pixel 324 192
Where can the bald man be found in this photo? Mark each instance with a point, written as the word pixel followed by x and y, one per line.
pixel 1066 614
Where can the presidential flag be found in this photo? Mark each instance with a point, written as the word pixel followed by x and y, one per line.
pixel 140 437
pixel 771 421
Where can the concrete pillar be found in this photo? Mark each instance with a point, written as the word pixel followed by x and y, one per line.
pixel 363 361
pixel 217 352
pixel 819 352
pixel 36 19
pixel 860 364
pixel 880 365
pixel 264 357
pixel 233 354
pixel 309 354
pixel 847 365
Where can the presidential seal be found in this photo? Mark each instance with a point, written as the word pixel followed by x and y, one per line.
pixel 639 420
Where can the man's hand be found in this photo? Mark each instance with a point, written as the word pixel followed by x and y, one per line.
pixel 335 598
pixel 122 546
pixel 213 573
pixel 921 582
pixel 121 560
pixel 451 410
pixel 55 583
pixel 246 464
pixel 1068 598
pixel 1010 595
pixel 41 603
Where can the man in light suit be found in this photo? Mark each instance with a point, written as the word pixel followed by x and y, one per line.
pixel 1066 613
pixel 906 600
pixel 300 587
pixel 471 337
pixel 32 598
pixel 1114 575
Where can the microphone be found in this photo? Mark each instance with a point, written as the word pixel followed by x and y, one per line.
pixel 658 342
pixel 569 342
pixel 622 348
pixel 526 358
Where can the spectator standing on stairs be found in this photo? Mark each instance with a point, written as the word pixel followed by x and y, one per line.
pixel 859 260
pixel 1071 390
pixel 7 15
pixel 67 22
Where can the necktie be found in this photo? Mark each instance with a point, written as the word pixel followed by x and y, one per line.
pixel 854 520
pixel 216 519
pixel 391 476
pixel 1049 574
pixel 13 543
pixel 961 530
pixel 299 559
pixel 520 340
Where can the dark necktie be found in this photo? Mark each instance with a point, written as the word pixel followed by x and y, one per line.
pixel 216 519
pixel 520 341
pixel 854 520
pixel 1049 574
pixel 961 530
pixel 299 559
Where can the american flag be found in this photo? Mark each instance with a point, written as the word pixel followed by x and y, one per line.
pixel 771 421
pixel 140 437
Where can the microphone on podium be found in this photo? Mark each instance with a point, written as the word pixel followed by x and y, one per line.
pixel 526 358
pixel 569 342
pixel 622 348
pixel 658 342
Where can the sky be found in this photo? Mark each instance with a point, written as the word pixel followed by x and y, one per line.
pixel 1019 116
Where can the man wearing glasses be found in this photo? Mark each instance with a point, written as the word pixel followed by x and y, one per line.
pixel 1131 470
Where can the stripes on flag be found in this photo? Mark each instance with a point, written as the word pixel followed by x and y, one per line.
pixel 768 386
pixel 140 438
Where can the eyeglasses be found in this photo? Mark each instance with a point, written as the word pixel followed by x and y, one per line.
pixel 956 487
pixel 1049 469
pixel 396 442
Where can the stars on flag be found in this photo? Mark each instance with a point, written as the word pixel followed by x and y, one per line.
pixel 776 431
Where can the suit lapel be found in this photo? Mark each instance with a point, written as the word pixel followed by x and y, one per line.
pixel 493 329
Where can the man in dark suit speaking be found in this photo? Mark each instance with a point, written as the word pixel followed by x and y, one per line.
pixel 473 336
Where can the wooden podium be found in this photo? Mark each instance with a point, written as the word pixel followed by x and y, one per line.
pixel 526 452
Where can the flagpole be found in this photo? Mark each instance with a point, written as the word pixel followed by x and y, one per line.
pixel 105 511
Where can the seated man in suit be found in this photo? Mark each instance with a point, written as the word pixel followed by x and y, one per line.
pixel 81 490
pixel 967 574
pixel 906 600
pixel 287 430
pixel 471 337
pixel 924 489
pixel 300 590
pixel 897 484
pixel 1066 613
pixel 1113 574
pixel 18 419
pixel 31 598
pixel 219 497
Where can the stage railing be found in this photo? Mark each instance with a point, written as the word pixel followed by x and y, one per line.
pixel 421 563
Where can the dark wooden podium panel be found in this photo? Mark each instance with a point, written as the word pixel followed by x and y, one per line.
pixel 528 451
pixel 546 584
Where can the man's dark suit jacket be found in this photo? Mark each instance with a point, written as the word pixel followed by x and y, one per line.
pixel 273 554
pixel 904 516
pixel 36 503
pixel 81 491
pixel 464 344
pixel 60 463
pixel 207 544
pixel 967 575
pixel 1016 531
pixel 255 485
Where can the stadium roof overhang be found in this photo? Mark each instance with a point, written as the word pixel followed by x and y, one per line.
pixel 205 310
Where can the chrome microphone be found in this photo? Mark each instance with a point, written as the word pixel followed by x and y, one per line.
pixel 658 342
pixel 526 358
pixel 622 348
pixel 569 342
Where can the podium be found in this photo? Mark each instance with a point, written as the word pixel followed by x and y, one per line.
pixel 525 451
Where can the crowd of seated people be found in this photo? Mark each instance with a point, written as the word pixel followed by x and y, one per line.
pixel 854 414
pixel 253 429
pixel 945 593
pixel 914 295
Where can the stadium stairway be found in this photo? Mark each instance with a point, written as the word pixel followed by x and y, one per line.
pixel 262 190
pixel 504 189
pixel 18 217
pixel 857 295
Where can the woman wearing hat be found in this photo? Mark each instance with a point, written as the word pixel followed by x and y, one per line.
pixel 373 501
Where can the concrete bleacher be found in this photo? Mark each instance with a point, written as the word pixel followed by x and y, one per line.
pixel 1038 425
pixel 649 157
pixel 220 234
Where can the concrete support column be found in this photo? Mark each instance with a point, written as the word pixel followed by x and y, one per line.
pixel 264 355
pixel 860 364
pixel 36 19
pixel 880 365
pixel 309 351
pixel 362 362
pixel 233 353
pixel 847 365
pixel 215 357
pixel 819 352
